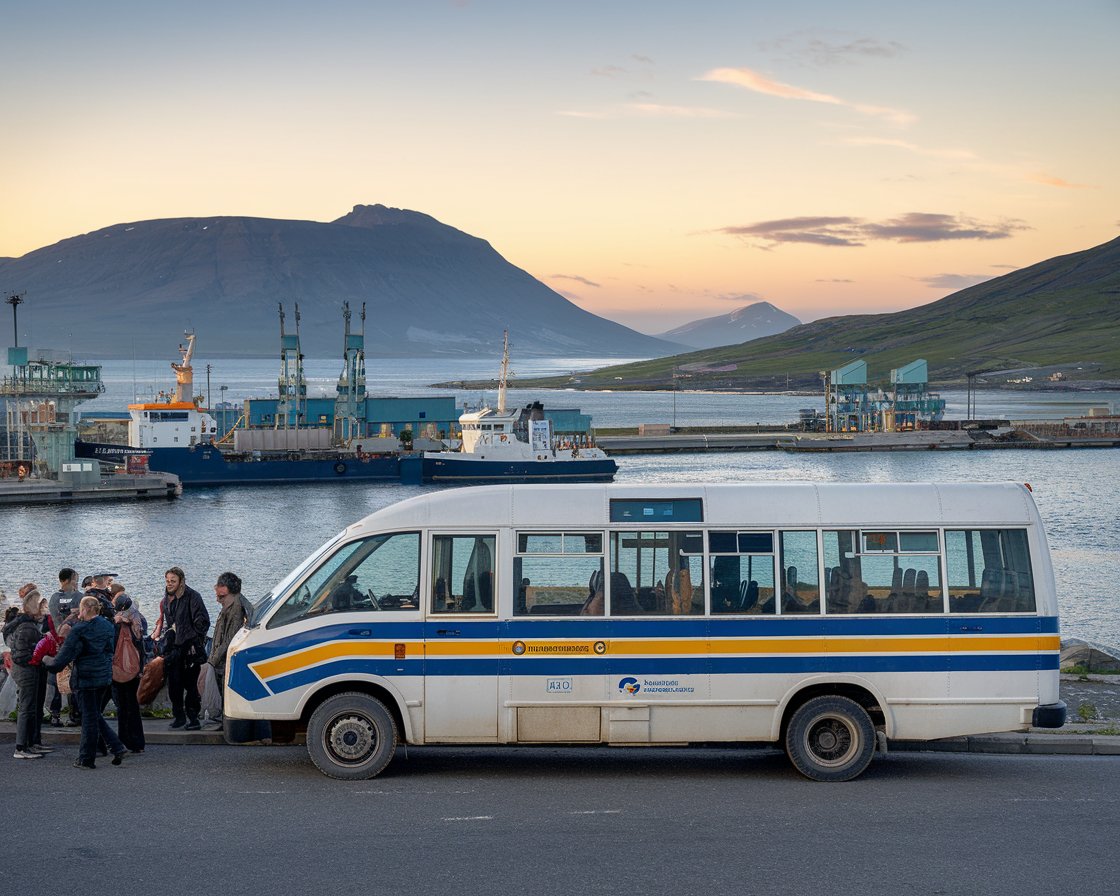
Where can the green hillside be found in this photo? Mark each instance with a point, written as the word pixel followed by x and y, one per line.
pixel 1063 313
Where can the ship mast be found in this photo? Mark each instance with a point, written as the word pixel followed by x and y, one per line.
pixel 184 373
pixel 505 373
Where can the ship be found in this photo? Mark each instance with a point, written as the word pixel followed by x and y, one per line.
pixel 499 445
pixel 175 436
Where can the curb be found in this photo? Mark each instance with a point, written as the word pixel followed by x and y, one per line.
pixel 1033 743
pixel 155 732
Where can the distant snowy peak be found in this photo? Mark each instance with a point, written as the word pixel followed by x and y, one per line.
pixel 741 325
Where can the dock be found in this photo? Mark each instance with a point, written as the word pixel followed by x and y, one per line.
pixel 118 487
pixel 784 440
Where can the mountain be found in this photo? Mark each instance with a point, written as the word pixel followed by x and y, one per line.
pixel 1060 315
pixel 131 289
pixel 742 325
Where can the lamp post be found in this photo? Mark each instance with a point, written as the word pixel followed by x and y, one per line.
pixel 222 390
pixel 15 299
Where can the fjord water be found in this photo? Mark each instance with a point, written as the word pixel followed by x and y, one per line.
pixel 261 532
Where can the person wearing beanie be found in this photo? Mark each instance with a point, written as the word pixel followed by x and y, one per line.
pixel 23 633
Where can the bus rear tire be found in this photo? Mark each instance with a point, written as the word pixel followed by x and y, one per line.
pixel 351 736
pixel 830 739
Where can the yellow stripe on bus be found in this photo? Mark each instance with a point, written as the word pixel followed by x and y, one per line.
pixel 823 644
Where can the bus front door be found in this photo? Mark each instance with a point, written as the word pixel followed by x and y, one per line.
pixel 461 641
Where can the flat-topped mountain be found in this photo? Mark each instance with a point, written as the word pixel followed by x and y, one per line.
pixel 741 325
pixel 130 290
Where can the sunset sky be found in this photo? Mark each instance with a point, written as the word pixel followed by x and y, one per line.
pixel 654 162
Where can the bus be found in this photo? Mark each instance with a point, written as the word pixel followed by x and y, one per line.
pixel 827 619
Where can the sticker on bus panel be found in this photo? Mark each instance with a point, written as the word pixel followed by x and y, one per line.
pixel 558 648
pixel 632 686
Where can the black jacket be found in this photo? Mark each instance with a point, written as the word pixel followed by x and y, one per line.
pixel 191 619
pixel 22 634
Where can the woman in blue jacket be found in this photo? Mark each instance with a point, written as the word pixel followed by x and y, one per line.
pixel 89 646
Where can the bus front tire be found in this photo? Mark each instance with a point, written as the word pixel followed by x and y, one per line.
pixel 830 739
pixel 351 736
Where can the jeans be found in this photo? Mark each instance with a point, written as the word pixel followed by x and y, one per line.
pixel 28 717
pixel 94 726
pixel 130 724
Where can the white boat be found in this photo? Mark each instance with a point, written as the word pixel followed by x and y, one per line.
pixel 516 446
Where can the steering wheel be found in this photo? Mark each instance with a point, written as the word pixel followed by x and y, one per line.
pixel 374 605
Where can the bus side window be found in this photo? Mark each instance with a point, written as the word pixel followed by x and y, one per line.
pixel 463 574
pixel 989 571
pixel 801 591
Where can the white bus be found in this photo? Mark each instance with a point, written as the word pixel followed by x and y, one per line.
pixel 826 618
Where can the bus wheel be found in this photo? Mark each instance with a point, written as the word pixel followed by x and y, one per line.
pixel 830 739
pixel 351 736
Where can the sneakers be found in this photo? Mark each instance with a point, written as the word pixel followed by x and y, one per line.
pixel 56 721
pixel 118 757
pixel 194 725
pixel 73 723
pixel 83 765
pixel 26 754
pixel 39 748
pixel 178 723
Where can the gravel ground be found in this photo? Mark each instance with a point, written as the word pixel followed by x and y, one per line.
pixel 1104 696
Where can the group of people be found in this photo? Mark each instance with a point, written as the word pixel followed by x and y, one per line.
pixel 90 643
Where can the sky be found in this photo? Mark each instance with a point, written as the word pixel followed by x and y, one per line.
pixel 653 162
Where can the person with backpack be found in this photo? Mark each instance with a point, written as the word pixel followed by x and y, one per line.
pixel 128 664
pixel 90 646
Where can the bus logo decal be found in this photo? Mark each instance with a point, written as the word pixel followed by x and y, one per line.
pixel 600 647
pixel 629 686
pixel 518 648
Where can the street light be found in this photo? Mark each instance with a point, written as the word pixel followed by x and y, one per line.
pixel 15 299
pixel 222 389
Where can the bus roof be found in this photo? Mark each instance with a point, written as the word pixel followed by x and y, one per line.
pixel 742 505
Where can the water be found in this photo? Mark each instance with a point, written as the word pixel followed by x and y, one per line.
pixel 261 532
pixel 128 381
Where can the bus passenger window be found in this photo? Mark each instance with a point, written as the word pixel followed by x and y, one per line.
pixel 463 574
pixel 801 592
pixel 845 591
pixel 558 574
pixel 656 574
pixel 743 572
pixel 377 573
pixel 989 571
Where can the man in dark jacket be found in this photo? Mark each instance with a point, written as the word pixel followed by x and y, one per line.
pixel 184 624
pixel 89 646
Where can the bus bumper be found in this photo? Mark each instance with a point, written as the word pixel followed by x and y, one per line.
pixel 1052 715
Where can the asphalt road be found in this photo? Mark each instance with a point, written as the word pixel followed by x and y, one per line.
pixel 476 820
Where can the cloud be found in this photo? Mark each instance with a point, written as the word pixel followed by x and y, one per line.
pixel 1050 180
pixel 962 155
pixel 608 71
pixel 648 110
pixel 828 48
pixel 834 280
pixel 658 110
pixel 913 227
pixel 749 79
pixel 953 281
pixel 574 277
pixel 645 60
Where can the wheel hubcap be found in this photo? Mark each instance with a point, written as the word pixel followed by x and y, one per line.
pixel 351 739
pixel 831 741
